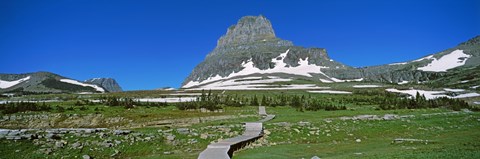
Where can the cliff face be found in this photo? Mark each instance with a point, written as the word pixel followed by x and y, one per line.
pixel 108 83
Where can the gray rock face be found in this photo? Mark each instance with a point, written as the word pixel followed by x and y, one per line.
pixel 108 83
pixel 253 39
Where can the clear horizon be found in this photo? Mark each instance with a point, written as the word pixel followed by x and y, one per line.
pixel 152 44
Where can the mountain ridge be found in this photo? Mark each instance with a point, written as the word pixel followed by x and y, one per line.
pixel 45 82
pixel 230 58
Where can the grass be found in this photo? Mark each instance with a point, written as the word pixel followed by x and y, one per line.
pixel 455 135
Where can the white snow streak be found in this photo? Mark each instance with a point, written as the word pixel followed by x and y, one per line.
pixel 467 95
pixel 403 82
pixel 8 84
pixel 100 89
pixel 454 59
pixel 453 90
pixel 366 86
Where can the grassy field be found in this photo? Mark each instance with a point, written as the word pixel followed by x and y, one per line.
pixel 442 133
pixel 455 135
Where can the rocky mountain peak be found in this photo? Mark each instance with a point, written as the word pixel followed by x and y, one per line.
pixel 108 83
pixel 248 29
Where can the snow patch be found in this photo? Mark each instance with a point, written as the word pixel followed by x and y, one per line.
pixel 425 58
pixel 413 93
pixel 454 59
pixel 399 63
pixel 325 81
pixel 351 80
pixel 167 100
pixel 467 95
pixel 465 81
pixel 8 84
pixel 331 92
pixel 433 94
pixel 453 90
pixel 366 86
pixel 100 89
pixel 303 69
pixel 475 87
pixel 403 82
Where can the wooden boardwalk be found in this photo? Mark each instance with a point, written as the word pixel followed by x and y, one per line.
pixel 225 148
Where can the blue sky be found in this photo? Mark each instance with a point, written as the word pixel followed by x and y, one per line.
pixel 152 44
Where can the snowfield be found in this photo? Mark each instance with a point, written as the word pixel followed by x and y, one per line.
pixel 100 89
pixel 413 93
pixel 303 69
pixel 454 59
pixel 453 90
pixel 8 84
pixel 434 94
pixel 331 92
pixel 255 83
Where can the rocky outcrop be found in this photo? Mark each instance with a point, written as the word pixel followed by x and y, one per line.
pixel 108 83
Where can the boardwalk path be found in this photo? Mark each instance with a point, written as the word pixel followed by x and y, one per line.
pixel 225 148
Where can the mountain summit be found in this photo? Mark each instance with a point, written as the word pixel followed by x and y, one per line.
pixel 249 29
pixel 250 56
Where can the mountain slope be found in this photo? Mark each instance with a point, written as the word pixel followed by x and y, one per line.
pixel 250 51
pixel 44 82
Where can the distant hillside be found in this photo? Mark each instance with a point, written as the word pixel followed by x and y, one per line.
pixel 45 82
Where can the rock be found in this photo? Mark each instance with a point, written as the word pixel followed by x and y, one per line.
pixel 183 131
pixel 282 124
pixel 76 145
pixel 171 137
pixel 122 132
pixel 148 138
pixel 296 130
pixel 115 153
pixel 60 144
pixel 266 132
pixel 192 141
pixel 54 136
pixel 86 157
pixel 303 123
pixel 107 144
pixel 167 153
pixel 390 117
pixel 203 136
pixel 315 157
pixel 358 140
pixel 47 151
